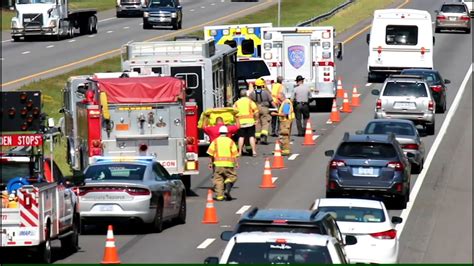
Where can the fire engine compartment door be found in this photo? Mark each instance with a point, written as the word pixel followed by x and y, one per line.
pixel 297 56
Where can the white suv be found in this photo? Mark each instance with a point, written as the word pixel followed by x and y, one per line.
pixel 281 248
pixel 406 97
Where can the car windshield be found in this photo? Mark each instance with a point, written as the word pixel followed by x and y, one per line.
pixel 355 214
pixel 414 89
pixel 10 170
pixel 278 253
pixel 366 150
pixel 279 228
pixel 431 77
pixel 115 172
pixel 390 127
pixel 162 3
pixel 36 2
pixel 453 9
pixel 251 69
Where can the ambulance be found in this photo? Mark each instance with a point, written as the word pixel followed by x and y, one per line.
pixel 399 39
pixel 306 51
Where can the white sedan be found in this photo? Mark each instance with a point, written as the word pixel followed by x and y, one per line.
pixel 369 222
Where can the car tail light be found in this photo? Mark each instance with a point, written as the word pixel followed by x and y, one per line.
pixel 437 88
pixel 280 241
pixel 390 234
pixel 279 221
pixel 138 191
pixel 431 105
pixel 440 17
pixel 398 166
pixel 379 50
pixel 337 163
pixel 411 146
pixel 423 50
pixel 465 18
pixel 332 185
pixel 378 104
pixel 399 187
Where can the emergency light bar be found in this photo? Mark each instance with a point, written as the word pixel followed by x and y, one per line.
pixel 97 159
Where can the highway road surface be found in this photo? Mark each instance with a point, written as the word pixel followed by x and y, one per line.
pixel 437 222
pixel 23 62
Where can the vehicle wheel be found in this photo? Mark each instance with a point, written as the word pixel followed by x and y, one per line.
pixel 331 195
pixel 119 14
pixel 437 30
pixel 403 200
pixel 416 168
pixel 468 31
pixel 71 242
pixel 430 129
pixel 180 25
pixel 94 28
pixel 186 179
pixel 181 219
pixel 146 26
pixel 444 106
pixel 371 77
pixel 157 224
pixel 44 249
pixel 15 38
pixel 175 26
pixel 70 32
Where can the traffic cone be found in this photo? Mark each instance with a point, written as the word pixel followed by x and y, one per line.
pixel 110 252
pixel 334 117
pixel 355 101
pixel 210 214
pixel 267 181
pixel 346 106
pixel 339 89
pixel 278 162
pixel 308 135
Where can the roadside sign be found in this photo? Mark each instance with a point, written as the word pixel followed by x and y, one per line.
pixel 32 140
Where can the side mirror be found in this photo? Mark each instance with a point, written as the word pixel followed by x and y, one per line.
pixel 375 92
pixel 447 81
pixel 360 132
pixel 367 38
pixel 227 235
pixel 410 155
pixel 211 260
pixel 329 153
pixel 350 240
pixel 397 220
pixel 340 51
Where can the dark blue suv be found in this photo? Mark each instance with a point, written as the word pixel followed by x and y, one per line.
pixel 163 13
pixel 369 165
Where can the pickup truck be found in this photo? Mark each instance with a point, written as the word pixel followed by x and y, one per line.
pixel 163 13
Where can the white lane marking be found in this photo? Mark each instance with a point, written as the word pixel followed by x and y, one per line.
pixel 106 19
pixel 126 27
pixel 213 4
pixel 92 36
pixel 243 209
pixel 7 40
pixel 203 7
pixel 49 46
pixel 110 31
pixel 1 59
pixel 315 137
pixel 226 226
pixel 140 24
pixel 293 156
pixel 71 41
pixel 192 10
pixel 274 179
pixel 206 243
pixel 368 84
pixel 26 52
pixel 442 131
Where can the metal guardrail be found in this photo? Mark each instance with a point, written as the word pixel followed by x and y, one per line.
pixel 325 15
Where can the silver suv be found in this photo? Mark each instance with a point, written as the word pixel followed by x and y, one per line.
pixel 406 97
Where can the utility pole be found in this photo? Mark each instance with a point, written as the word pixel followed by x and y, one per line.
pixel 279 12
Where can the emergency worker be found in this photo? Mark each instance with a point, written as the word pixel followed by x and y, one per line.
pixel 286 116
pixel 263 98
pixel 213 131
pixel 223 152
pixel 247 114
pixel 278 97
pixel 301 104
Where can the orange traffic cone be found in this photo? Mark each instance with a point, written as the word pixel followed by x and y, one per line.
pixel 210 214
pixel 334 117
pixel 339 89
pixel 278 162
pixel 346 106
pixel 110 252
pixel 267 181
pixel 355 102
pixel 308 135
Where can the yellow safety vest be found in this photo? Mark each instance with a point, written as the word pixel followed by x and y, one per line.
pixel 224 151
pixel 246 109
pixel 276 91
pixel 291 116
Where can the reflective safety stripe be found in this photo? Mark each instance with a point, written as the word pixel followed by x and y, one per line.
pixel 223 158
pixel 246 112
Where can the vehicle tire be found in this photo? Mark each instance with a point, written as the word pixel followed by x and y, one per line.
pixel 157 224
pixel 71 242
pixel 180 25
pixel 181 218
pixel 416 168
pixel 70 31
pixel 430 129
pixel 437 30
pixel 331 195
pixel 43 251
pixel 119 15
pixel 468 31
pixel 146 26
pixel 176 26
pixel 94 29
pixel 15 38
pixel 371 77
pixel 186 179
pixel 403 200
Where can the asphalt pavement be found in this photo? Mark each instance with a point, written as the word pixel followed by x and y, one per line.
pixel 23 62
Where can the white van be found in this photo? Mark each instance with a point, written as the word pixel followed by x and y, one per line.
pixel 399 39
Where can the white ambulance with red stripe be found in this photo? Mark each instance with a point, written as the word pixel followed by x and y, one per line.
pixel 306 51
pixel 37 207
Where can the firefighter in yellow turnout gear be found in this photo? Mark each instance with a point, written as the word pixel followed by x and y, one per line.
pixel 278 97
pixel 286 116
pixel 263 98
pixel 224 153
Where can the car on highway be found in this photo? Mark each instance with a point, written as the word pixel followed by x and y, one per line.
pixel 163 13
pixel 131 190
pixel 453 16
pixel 468 3
pixel 281 248
pixel 406 97
pixel 405 133
pixel 369 166
pixel 436 83
pixel 369 221
pixel 288 220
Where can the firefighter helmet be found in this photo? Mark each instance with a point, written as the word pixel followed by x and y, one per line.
pixel 260 82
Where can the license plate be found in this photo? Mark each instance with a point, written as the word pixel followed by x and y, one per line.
pixel 405 105
pixel 106 208
pixel 366 171
pixel 452 18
